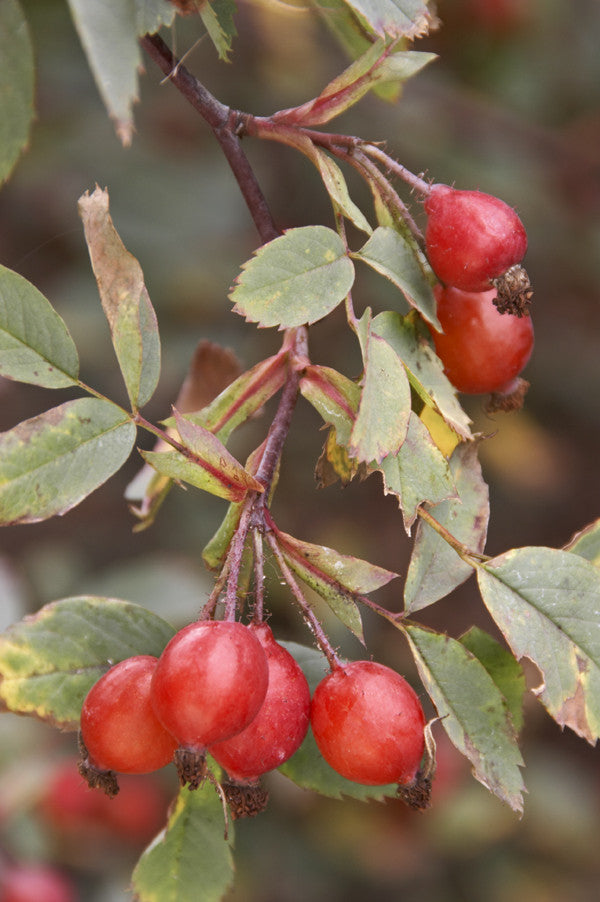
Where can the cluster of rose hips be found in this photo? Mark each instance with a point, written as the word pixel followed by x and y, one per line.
pixel 475 244
pixel 231 691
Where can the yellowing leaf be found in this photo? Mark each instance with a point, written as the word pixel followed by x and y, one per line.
pixel 50 463
pixel 50 661
pixel 125 299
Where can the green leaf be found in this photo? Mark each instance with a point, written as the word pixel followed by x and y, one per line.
pixel 546 603
pixel 108 34
pixel 383 414
pixel 335 184
pixel 506 673
pixel 473 711
pixel 125 299
pixel 389 254
pixel 151 14
pixel 398 67
pixel 52 462
pixel 379 66
pixel 207 464
pixel 218 21
pixel 351 574
pixel 232 407
pixel 243 398
pixel 435 569
pixel 190 861
pixel 396 18
pixel 419 473
pixel 49 661
pixel 424 369
pixel 348 28
pixel 335 577
pixel 215 552
pixel 16 85
pixel 334 396
pixel 295 279
pixel 35 344
pixel 343 92
pixel 586 543
pixel 307 768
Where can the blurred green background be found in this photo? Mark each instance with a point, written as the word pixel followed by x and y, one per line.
pixel 512 107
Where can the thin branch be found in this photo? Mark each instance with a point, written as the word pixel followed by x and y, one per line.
pixel 224 123
pixel 280 426
pixel 234 561
pixel 360 161
pixel 312 621
pixel 415 181
pixel 259 577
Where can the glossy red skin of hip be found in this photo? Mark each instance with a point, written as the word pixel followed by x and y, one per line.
pixel 281 724
pixel 471 237
pixel 482 350
pixel 118 725
pixel 369 724
pixel 209 683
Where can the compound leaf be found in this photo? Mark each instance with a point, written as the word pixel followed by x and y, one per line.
pixel 49 661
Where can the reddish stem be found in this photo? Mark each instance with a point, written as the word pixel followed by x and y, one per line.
pixel 224 123
pixel 259 577
pixel 311 620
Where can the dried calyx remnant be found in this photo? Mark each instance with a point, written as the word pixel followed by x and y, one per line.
pixel 513 291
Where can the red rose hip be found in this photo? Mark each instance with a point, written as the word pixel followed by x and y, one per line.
pixel 279 727
pixel 369 724
pixel 118 725
pixel 482 350
pixel 210 682
pixel 471 237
